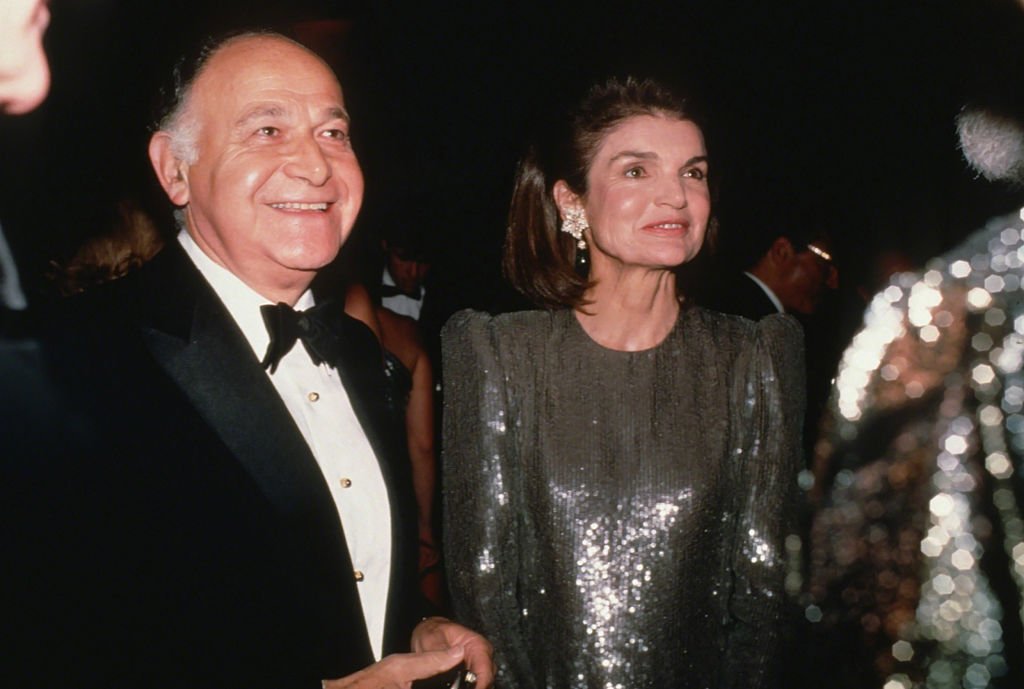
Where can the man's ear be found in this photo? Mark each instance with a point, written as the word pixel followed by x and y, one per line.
pixel 565 198
pixel 781 251
pixel 170 171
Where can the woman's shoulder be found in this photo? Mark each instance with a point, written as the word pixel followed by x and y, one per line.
pixel 777 328
pixel 508 341
pixel 780 328
pixel 516 324
pixel 496 348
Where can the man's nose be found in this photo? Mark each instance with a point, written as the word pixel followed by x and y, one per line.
pixel 307 161
pixel 832 277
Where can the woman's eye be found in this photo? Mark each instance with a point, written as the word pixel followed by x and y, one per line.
pixel 695 173
pixel 635 172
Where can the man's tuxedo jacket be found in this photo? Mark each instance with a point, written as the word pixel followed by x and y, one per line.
pixel 169 525
pixel 740 296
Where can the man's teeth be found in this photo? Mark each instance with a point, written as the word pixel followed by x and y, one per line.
pixel 300 206
pixel 669 225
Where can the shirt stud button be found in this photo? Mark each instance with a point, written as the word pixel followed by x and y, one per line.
pixel 358 574
pixel 313 396
pixel 346 483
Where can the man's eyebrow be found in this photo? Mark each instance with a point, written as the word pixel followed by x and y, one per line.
pixel 259 112
pixel 337 113
pixel 269 111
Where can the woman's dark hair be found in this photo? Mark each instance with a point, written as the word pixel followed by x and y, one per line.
pixel 539 260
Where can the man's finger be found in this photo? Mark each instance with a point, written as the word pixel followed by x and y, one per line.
pixel 429 663
pixel 400 670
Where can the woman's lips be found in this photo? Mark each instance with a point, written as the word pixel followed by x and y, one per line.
pixel 668 227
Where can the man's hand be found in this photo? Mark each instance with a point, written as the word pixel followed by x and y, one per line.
pixel 399 670
pixel 438 633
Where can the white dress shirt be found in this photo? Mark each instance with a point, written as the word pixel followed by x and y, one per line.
pixel 317 401
pixel 401 304
pixel 11 295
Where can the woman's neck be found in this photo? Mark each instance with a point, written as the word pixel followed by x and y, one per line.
pixel 631 311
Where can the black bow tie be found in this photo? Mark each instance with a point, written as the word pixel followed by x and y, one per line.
pixel 393 291
pixel 285 325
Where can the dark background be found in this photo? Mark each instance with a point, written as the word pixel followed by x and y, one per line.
pixel 840 113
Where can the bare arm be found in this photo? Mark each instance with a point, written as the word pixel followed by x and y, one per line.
pixel 419 428
pixel 359 305
pixel 400 335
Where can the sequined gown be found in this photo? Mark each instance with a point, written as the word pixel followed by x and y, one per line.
pixel 918 552
pixel 616 519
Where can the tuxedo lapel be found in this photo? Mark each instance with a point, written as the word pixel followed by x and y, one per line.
pixel 361 369
pixel 194 339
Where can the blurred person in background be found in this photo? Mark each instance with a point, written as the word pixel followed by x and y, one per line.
pixel 405 270
pixel 793 275
pixel 411 398
pixel 917 553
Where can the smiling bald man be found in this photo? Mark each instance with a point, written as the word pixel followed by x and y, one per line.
pixel 242 512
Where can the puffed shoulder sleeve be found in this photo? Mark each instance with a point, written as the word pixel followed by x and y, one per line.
pixel 481 489
pixel 768 407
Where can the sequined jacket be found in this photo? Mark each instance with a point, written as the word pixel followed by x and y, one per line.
pixel 918 550
pixel 616 519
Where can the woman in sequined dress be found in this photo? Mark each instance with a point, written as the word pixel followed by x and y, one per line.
pixel 618 466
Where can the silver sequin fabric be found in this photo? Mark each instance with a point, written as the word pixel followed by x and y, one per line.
pixel 917 563
pixel 617 519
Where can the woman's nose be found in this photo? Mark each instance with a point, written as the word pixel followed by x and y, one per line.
pixel 672 192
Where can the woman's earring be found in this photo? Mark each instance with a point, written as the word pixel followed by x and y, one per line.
pixel 574 224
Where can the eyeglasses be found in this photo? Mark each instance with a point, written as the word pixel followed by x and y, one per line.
pixel 821 253
pixel 829 272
